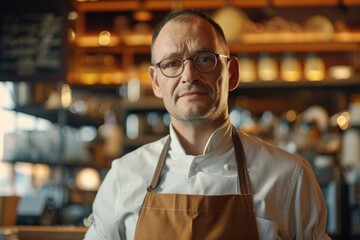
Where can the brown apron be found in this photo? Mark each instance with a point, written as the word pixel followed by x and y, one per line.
pixel 181 216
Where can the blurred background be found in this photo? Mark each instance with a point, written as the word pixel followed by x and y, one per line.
pixel 74 95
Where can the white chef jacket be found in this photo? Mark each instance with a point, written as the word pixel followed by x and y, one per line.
pixel 287 199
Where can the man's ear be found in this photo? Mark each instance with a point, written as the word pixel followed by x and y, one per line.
pixel 233 73
pixel 152 73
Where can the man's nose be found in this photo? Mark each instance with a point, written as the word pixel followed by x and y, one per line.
pixel 189 74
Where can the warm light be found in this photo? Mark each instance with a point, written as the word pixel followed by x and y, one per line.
pixel 314 75
pixel 41 171
pixel 290 68
pixel 41 174
pixel 87 179
pixel 291 115
pixel 314 68
pixel 267 68
pixel 71 35
pixel 66 96
pixel 247 72
pixel 341 72
pixel 290 75
pixel 104 38
pixel 343 120
pixel 89 78
pixel 72 15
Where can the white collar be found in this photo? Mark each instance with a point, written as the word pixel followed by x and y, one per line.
pixel 219 139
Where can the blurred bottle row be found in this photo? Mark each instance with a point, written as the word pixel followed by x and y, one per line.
pixel 290 68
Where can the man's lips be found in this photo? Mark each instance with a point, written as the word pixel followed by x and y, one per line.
pixel 193 93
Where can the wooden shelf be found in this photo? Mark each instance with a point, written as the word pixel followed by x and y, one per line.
pixel 115 49
pixel 49 232
pixel 165 5
pixel 305 3
pixel 353 83
pixel 324 46
pixel 58 115
pixel 348 42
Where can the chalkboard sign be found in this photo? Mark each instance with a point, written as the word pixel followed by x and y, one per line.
pixel 31 46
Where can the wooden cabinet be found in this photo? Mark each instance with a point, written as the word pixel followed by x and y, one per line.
pixel 121 59
pixel 280 28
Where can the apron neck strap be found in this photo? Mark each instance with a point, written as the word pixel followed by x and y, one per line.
pixel 243 176
pixel 156 178
pixel 242 169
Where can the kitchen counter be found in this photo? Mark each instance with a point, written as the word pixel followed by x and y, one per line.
pixel 47 232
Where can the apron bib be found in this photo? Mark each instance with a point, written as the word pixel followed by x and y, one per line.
pixel 182 216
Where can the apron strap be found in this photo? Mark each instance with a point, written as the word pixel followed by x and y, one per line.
pixel 156 178
pixel 242 169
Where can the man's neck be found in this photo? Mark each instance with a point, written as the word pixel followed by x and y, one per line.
pixel 193 137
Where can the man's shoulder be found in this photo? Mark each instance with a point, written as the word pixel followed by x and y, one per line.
pixel 138 165
pixel 258 149
pixel 148 152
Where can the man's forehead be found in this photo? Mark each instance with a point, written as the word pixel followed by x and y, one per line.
pixel 188 28
pixel 185 34
pixel 181 21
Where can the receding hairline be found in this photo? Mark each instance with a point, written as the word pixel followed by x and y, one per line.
pixel 188 16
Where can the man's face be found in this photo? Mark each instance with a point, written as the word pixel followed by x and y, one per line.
pixel 192 96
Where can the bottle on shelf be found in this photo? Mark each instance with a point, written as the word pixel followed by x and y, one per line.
pixel 267 67
pixel 290 68
pixel 314 67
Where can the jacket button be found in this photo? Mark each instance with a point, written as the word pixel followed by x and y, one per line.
pixel 227 167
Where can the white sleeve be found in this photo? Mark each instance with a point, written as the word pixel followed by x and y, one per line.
pixel 104 223
pixel 307 212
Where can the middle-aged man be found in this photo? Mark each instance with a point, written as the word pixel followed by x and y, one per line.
pixel 204 180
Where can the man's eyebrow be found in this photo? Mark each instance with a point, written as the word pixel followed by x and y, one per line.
pixel 174 54
pixel 203 51
pixel 197 51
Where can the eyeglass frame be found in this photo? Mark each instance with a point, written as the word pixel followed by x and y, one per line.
pixel 217 55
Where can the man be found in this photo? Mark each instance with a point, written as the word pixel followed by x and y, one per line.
pixel 204 180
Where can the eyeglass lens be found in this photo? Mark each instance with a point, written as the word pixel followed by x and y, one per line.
pixel 174 66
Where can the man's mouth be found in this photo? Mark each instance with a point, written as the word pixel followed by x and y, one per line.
pixel 192 93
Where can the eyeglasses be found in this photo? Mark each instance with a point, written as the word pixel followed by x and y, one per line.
pixel 203 62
